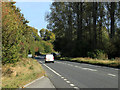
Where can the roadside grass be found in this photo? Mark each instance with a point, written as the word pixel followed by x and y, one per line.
pixel 21 73
pixel 111 63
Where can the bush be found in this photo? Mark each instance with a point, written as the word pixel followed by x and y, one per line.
pixel 99 54
pixel 91 54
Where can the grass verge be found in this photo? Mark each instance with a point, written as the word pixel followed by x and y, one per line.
pixel 21 73
pixel 109 63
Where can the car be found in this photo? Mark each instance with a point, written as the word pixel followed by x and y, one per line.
pixel 49 58
pixel 30 55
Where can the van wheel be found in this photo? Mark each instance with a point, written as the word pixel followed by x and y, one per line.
pixel 53 62
pixel 45 61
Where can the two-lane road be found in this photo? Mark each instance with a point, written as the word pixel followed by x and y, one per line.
pixel 65 74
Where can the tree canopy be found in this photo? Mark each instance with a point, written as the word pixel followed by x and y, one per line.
pixel 19 39
pixel 47 35
pixel 84 27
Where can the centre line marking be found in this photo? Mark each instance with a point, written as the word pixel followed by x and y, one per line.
pixel 89 69
pixel 92 69
pixel 111 74
pixel 85 68
pixel 76 66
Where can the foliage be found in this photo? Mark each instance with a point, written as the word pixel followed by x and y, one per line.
pixel 81 28
pixel 99 54
pixel 48 47
pixel 19 39
pixel 47 35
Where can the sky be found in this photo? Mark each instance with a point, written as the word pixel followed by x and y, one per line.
pixel 35 13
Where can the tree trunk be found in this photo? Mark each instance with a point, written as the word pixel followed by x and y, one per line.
pixel 79 21
pixel 100 25
pixel 112 13
pixel 94 23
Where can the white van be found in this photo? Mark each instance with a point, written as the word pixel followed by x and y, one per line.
pixel 49 58
pixel 30 55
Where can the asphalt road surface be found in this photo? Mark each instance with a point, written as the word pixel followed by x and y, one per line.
pixel 65 74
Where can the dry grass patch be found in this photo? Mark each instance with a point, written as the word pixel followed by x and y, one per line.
pixel 111 63
pixel 21 73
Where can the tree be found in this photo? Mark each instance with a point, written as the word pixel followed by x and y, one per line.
pixel 112 14
pixel 84 26
pixel 47 35
pixel 19 39
pixel 42 33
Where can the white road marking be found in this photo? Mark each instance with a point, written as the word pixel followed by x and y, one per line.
pixel 85 68
pixel 58 75
pixel 72 85
pixel 82 68
pixel 68 81
pixel 76 87
pixel 89 69
pixel 52 70
pixel 65 79
pixel 76 66
pixel 68 64
pixel 111 74
pixel 92 69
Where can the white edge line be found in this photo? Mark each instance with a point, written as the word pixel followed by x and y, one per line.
pixel 33 81
pixel 62 77
pixel 72 85
pixel 52 70
pixel 58 74
pixel 76 87
pixel 65 79
pixel 68 81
